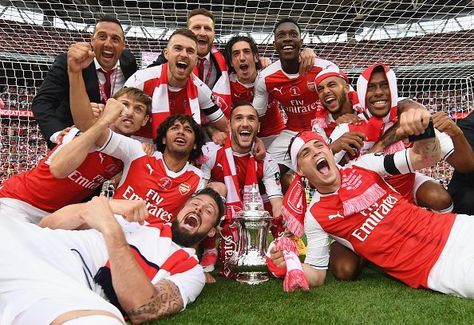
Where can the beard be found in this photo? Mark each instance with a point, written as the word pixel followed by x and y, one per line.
pixel 183 238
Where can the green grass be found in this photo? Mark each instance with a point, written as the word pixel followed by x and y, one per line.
pixel 374 299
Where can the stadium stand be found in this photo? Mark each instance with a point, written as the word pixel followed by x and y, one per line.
pixel 428 44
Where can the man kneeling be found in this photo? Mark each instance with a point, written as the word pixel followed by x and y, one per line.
pixel 54 276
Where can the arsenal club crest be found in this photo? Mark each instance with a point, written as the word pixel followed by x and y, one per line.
pixel 184 188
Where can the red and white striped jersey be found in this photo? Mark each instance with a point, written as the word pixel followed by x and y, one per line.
pixel 401 238
pixel 147 178
pixel 268 173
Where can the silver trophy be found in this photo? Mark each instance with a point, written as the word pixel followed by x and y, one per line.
pixel 253 225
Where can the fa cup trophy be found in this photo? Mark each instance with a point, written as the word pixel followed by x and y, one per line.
pixel 253 226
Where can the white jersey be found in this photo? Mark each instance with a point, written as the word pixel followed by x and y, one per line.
pixel 66 263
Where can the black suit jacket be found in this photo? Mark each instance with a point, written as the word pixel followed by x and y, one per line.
pixel 51 103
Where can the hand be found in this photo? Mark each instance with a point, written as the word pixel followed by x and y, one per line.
pixel 413 122
pixel 113 109
pixel 277 258
pixel 149 148
pixel 443 123
pixel 79 57
pixel 97 109
pixel 351 142
pixel 264 62
pixel 219 137
pixel 131 210
pixel 98 214
pixel 349 118
pixel 61 135
pixel 209 278
pixel 306 60
pixel 259 150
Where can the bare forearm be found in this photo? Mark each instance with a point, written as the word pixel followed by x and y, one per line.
pixel 314 276
pixel 276 206
pixel 387 139
pixel 166 300
pixel 79 102
pixel 221 124
pixel 132 286
pixel 72 155
pixel 462 159
pixel 67 217
pixel 425 153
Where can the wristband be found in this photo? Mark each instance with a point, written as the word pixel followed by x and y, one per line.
pixel 429 133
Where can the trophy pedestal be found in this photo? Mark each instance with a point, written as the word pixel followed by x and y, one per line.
pixel 252 278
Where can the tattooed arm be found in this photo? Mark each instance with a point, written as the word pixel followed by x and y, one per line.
pixel 387 139
pixel 425 152
pixel 136 294
pixel 166 300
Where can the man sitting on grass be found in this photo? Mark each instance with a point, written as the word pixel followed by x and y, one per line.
pixel 358 208
pixel 54 276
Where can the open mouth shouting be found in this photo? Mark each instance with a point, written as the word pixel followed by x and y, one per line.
pixel 245 135
pixel 330 99
pixel 127 121
pixel 181 66
pixel 191 222
pixel 322 166
pixel 244 67
pixel 107 54
pixel 180 141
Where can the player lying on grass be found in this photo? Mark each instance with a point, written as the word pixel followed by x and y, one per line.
pixel 358 208
pixel 117 269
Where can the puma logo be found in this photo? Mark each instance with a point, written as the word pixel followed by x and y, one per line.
pixel 278 89
pixel 150 169
pixel 334 216
pixel 101 157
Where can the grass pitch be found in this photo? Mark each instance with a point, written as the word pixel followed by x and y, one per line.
pixel 374 299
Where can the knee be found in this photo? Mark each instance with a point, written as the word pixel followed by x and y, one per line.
pixel 433 196
pixel 344 270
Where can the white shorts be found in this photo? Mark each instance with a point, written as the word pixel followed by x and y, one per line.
pixel 41 278
pixel 453 273
pixel 20 210
pixel 279 148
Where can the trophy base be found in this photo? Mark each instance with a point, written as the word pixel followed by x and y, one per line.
pixel 252 278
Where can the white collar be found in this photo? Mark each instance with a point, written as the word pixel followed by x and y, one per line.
pixel 99 67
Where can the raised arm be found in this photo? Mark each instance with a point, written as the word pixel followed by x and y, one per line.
pixel 79 57
pixel 426 151
pixel 462 157
pixel 71 155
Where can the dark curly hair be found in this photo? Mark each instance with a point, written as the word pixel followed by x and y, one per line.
pixel 240 38
pixel 198 133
